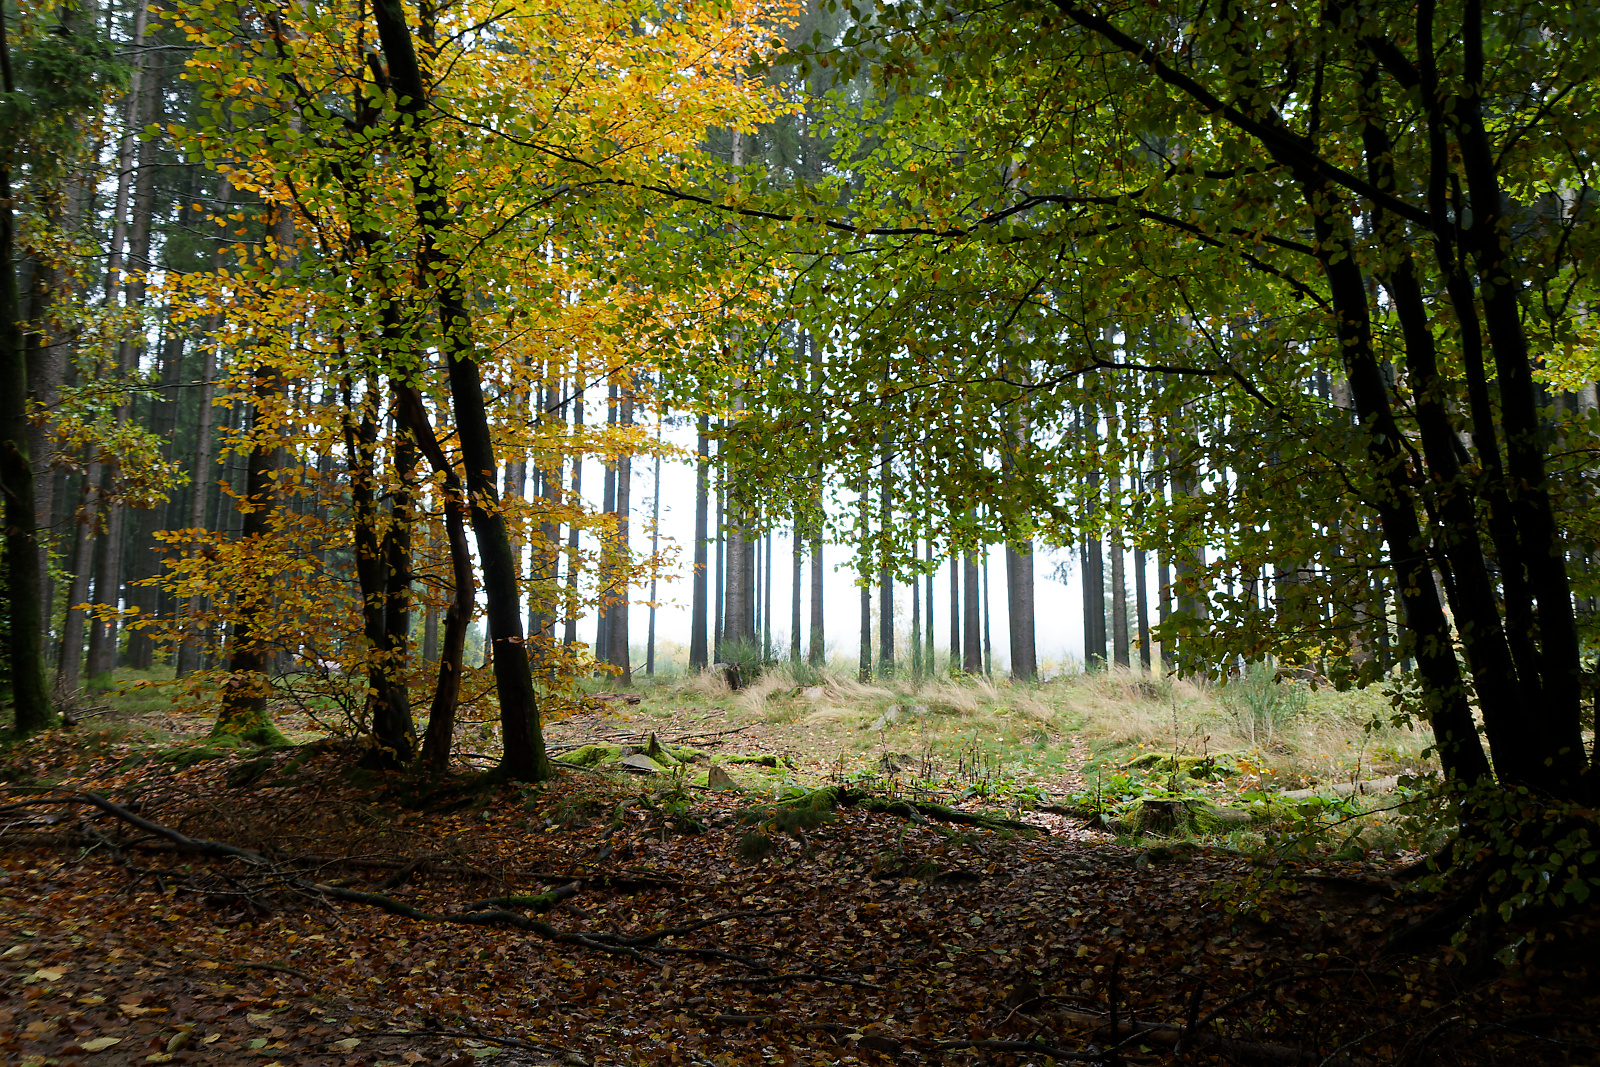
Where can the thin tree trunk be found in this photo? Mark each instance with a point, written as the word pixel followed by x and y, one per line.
pixel 817 653
pixel 608 505
pixel 797 563
pixel 988 653
pixel 928 583
pixel 1119 603
pixel 655 546
pixel 766 606
pixel 698 652
pixel 720 580
pixel 440 735
pixel 69 666
pixel 398 729
pixel 916 625
pixel 864 664
pixel 972 618
pixel 523 743
pixel 957 661
pixel 621 656
pixel 885 575
pixel 569 634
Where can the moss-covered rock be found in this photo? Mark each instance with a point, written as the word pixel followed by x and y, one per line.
pixel 592 755
pixel 1178 816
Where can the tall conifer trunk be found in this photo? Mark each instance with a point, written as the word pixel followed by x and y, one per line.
pixel 25 615
pixel 698 652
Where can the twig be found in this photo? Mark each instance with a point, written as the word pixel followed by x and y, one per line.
pixel 772 978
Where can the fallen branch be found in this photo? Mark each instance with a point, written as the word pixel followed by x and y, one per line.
pixel 770 979
pixel 1174 1034
pixel 908 809
pixel 611 944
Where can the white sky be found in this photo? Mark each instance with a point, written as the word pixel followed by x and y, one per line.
pixel 1058 608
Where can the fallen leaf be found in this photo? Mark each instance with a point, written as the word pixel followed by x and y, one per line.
pixel 47 975
pixel 348 1043
pixel 99 1044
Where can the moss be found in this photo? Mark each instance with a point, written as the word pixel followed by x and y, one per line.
pixel 258 731
pixel 774 762
pixel 1199 768
pixel 190 755
pixel 592 755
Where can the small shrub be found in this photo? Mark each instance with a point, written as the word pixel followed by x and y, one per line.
pixel 1260 705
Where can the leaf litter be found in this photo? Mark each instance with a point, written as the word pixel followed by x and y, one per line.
pixel 860 936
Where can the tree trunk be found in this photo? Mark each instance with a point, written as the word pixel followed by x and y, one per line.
pixel 1119 603
pixel 885 575
pixel 569 633
pixel 25 617
pixel 698 658
pixel 817 653
pixel 188 655
pixel 916 625
pixel 655 546
pixel 69 664
pixel 720 576
pixel 972 618
pixel 440 735
pixel 864 568
pixel 988 649
pixel 797 576
pixel 617 627
pixel 927 651
pixel 608 505
pixel 524 754
pixel 957 662
pixel 1020 609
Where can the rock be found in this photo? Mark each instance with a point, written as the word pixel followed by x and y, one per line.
pixel 722 781
pixel 730 673
pixel 640 762
pixel 592 755
pixel 655 751
pixel 890 716
pixel 814 693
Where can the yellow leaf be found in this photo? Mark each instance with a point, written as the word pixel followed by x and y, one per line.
pixel 99 1044
pixel 47 975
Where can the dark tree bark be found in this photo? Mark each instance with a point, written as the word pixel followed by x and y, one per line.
pixel 25 616
pixel 440 735
pixel 524 755
pixel 382 558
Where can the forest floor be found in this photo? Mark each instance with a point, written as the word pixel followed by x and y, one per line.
pixel 380 920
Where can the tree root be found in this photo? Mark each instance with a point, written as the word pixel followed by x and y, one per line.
pixel 914 809
pixel 493 913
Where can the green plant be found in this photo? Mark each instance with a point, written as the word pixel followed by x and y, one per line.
pixel 1260 704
